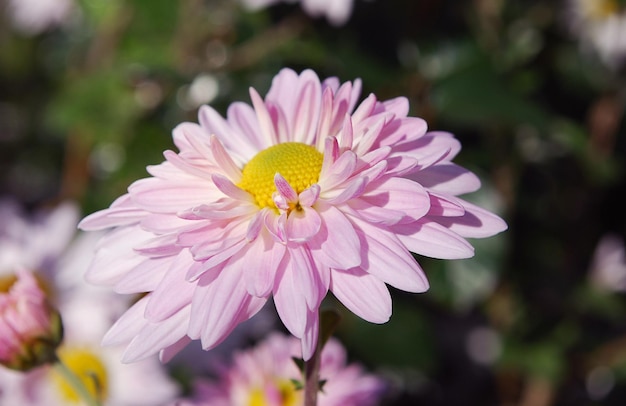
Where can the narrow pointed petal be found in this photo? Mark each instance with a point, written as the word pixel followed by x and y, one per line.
pixel 433 240
pixel 387 259
pixel 476 222
pixel 447 178
pixel 289 301
pixel 363 294
pixel 284 188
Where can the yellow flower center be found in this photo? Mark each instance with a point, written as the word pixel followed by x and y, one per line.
pixel 289 395
pixel 300 164
pixel 88 368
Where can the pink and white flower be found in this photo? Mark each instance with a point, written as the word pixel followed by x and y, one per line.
pixel 336 11
pixel 301 193
pixel 265 375
pixel 601 27
pixel 608 264
pixel 32 17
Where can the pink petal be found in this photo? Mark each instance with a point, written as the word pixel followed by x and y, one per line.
pixel 224 161
pixel 399 106
pixel 306 275
pixel 248 140
pixel 337 244
pixel 265 121
pixel 163 196
pixel 230 189
pixel 338 171
pixel 261 260
pixel 156 336
pixel 121 213
pixel 447 178
pixel 128 325
pixel 284 188
pixel 290 301
pixel 160 246
pixel 170 352
pixel 307 108
pixel 217 305
pixel 173 293
pixel 433 240
pixel 240 144
pixel 387 259
pixel 145 277
pixel 447 206
pixel 309 196
pixel 310 336
pixel 302 224
pixel 363 294
pixel 114 255
pixel 475 223
pixel 399 195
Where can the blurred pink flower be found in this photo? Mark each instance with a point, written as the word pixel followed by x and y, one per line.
pixel 30 329
pixel 265 375
pixel 303 193
pixel 35 16
pixel 608 265
pixel 336 11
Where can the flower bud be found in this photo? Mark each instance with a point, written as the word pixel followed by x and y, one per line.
pixel 30 328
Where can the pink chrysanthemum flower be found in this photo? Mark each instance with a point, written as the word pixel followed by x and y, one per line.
pixel 299 194
pixel 266 375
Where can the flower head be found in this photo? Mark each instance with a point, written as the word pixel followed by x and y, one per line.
pixel 301 193
pixel 601 27
pixel 30 329
pixel 267 375
pixel 32 17
pixel 336 11
pixel 608 264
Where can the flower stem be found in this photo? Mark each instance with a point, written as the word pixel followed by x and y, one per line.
pixel 312 377
pixel 75 383
pixel 329 319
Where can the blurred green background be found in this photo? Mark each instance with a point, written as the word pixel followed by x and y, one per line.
pixel 533 319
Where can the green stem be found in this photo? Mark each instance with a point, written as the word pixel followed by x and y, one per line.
pixel 75 383
pixel 329 319
pixel 312 377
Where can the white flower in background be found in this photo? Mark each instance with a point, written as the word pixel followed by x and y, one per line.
pixel 608 265
pixel 35 242
pixel 32 17
pixel 85 319
pixel 601 27
pixel 44 243
pixel 336 11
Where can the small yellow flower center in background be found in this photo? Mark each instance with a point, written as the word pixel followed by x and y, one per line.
pixel 289 395
pixel 300 164
pixel 88 368
pixel 600 9
pixel 6 281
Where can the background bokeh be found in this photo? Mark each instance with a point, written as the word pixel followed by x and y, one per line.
pixel 88 100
